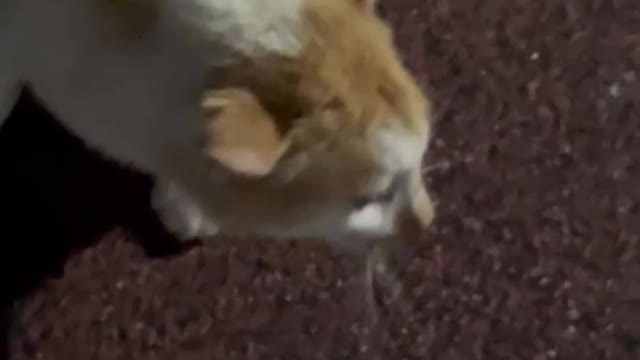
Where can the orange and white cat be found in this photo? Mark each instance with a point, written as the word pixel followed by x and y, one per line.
pixel 283 118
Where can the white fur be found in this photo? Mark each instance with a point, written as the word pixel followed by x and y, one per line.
pixel 180 213
pixel 248 25
pixel 400 149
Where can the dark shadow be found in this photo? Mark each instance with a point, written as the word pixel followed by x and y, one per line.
pixel 56 198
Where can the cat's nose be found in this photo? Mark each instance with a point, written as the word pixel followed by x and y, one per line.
pixel 417 211
pixel 415 218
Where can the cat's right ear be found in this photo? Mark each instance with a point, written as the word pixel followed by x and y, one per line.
pixel 240 134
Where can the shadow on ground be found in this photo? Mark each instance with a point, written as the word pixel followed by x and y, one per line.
pixel 56 198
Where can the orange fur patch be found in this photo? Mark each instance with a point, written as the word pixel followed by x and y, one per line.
pixel 349 57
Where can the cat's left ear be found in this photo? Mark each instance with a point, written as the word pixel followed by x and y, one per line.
pixel 240 134
pixel 368 5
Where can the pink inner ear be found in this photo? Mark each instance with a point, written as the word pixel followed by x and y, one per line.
pixel 253 151
pixel 246 161
pixel 242 135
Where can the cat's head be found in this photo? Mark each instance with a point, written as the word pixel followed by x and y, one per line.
pixel 323 140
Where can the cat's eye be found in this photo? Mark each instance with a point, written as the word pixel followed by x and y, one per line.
pixel 386 196
pixel 361 202
pixel 381 198
pixel 334 103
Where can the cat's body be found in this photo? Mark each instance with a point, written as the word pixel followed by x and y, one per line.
pixel 113 95
pixel 244 111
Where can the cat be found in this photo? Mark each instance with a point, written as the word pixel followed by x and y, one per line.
pixel 275 118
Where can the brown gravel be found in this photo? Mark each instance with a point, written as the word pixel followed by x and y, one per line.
pixel 535 164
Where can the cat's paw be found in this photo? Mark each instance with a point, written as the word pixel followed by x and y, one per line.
pixel 180 214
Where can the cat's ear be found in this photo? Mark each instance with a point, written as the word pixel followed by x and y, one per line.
pixel 368 5
pixel 240 134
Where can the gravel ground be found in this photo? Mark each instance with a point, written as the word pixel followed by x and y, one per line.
pixel 534 255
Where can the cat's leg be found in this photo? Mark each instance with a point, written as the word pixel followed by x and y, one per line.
pixel 179 213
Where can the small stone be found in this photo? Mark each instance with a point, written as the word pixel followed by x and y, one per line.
pixel 615 90
pixel 629 76
pixel 574 314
